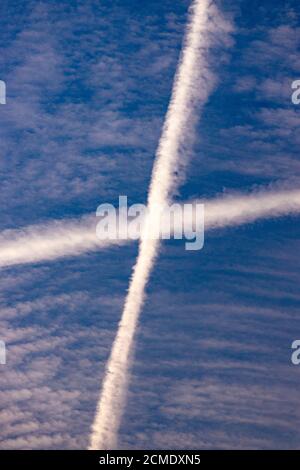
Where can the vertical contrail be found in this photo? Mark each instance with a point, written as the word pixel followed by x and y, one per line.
pixel 192 85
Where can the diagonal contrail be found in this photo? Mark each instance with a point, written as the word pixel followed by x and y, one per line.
pixel 192 86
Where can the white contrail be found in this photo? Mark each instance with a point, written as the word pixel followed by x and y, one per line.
pixel 192 85
pixel 57 239
pixel 238 209
pixel 49 241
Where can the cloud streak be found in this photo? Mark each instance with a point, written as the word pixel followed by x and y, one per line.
pixel 58 239
pixel 241 209
pixel 49 241
pixel 192 86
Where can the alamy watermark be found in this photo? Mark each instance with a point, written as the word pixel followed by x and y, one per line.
pixel 295 358
pixel 2 353
pixel 176 221
pixel 296 94
pixel 2 92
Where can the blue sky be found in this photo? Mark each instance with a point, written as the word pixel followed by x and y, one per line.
pixel 88 85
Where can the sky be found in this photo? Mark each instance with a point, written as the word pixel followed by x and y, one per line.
pixel 88 86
